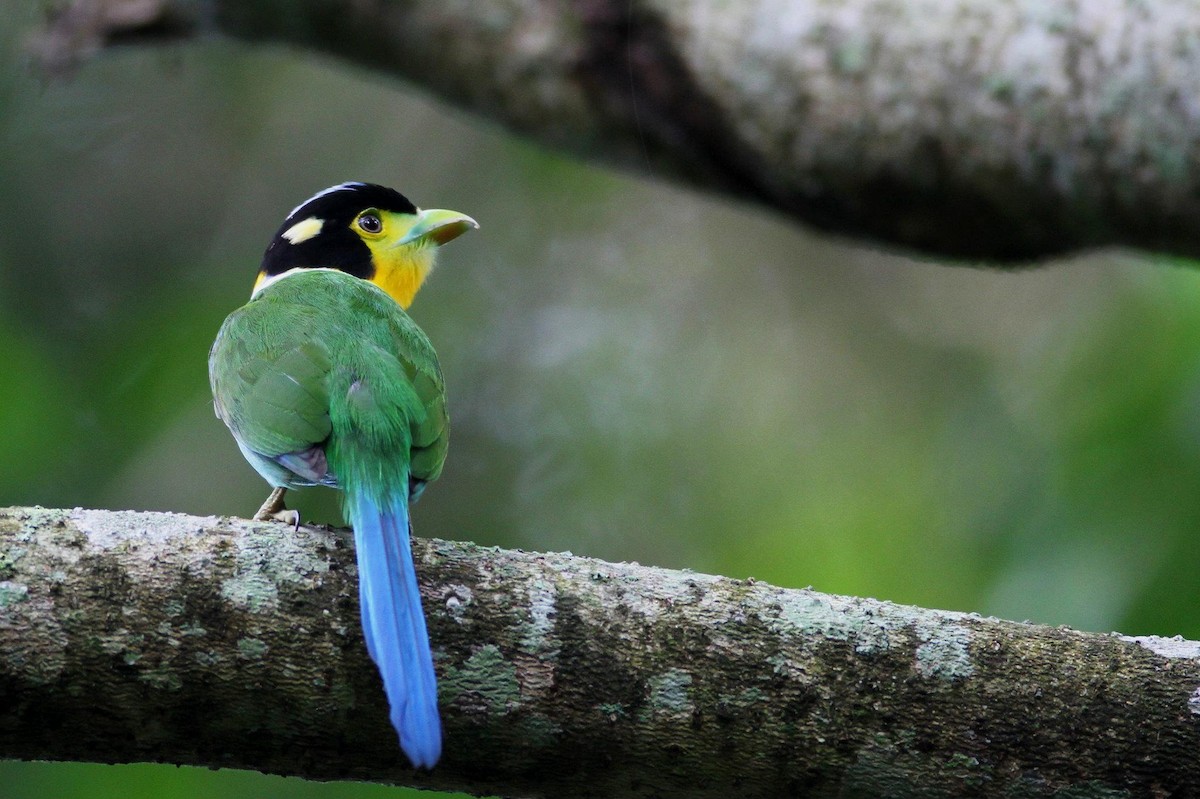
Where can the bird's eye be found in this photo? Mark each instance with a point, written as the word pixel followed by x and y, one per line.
pixel 370 223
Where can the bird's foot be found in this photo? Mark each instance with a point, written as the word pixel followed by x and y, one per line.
pixel 288 517
pixel 273 510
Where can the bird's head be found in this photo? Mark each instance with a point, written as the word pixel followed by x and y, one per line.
pixel 369 231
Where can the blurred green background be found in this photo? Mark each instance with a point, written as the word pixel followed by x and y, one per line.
pixel 636 372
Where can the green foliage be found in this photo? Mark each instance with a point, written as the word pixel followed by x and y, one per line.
pixel 31 401
pixel 148 781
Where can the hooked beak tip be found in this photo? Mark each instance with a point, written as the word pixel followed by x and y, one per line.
pixel 440 226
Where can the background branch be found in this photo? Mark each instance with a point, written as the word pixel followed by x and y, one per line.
pixel 975 130
pixel 146 636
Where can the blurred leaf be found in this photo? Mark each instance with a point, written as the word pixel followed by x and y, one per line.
pixel 35 402
pixel 150 781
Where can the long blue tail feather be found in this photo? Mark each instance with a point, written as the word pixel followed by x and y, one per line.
pixel 394 624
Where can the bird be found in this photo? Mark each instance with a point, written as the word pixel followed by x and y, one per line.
pixel 324 379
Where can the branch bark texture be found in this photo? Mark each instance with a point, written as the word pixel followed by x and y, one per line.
pixel 1001 130
pixel 218 642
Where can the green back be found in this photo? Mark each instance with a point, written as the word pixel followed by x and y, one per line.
pixel 321 358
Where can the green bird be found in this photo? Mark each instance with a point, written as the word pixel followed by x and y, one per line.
pixel 325 380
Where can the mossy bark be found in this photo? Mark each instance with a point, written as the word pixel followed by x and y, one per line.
pixel 219 642
pixel 1001 131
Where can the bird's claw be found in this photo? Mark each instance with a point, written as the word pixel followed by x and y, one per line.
pixel 291 517
pixel 273 510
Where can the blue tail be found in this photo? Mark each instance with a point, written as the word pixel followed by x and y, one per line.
pixel 394 625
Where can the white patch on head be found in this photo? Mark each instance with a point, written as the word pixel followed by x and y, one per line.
pixel 303 230
pixel 348 186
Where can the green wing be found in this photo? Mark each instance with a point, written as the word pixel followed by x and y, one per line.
pixel 323 364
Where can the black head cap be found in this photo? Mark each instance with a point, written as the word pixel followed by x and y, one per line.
pixel 330 243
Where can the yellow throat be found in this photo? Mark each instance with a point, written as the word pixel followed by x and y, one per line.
pixel 400 271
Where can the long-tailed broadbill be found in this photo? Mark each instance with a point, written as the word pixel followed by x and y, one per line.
pixel 324 379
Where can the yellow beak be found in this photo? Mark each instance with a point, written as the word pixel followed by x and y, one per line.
pixel 439 226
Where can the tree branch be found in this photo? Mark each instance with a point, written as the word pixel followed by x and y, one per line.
pixel 219 642
pixel 992 130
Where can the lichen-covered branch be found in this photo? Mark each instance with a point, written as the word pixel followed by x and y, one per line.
pixel 219 642
pixel 999 130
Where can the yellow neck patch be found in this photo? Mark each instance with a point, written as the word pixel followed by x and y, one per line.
pixel 400 271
